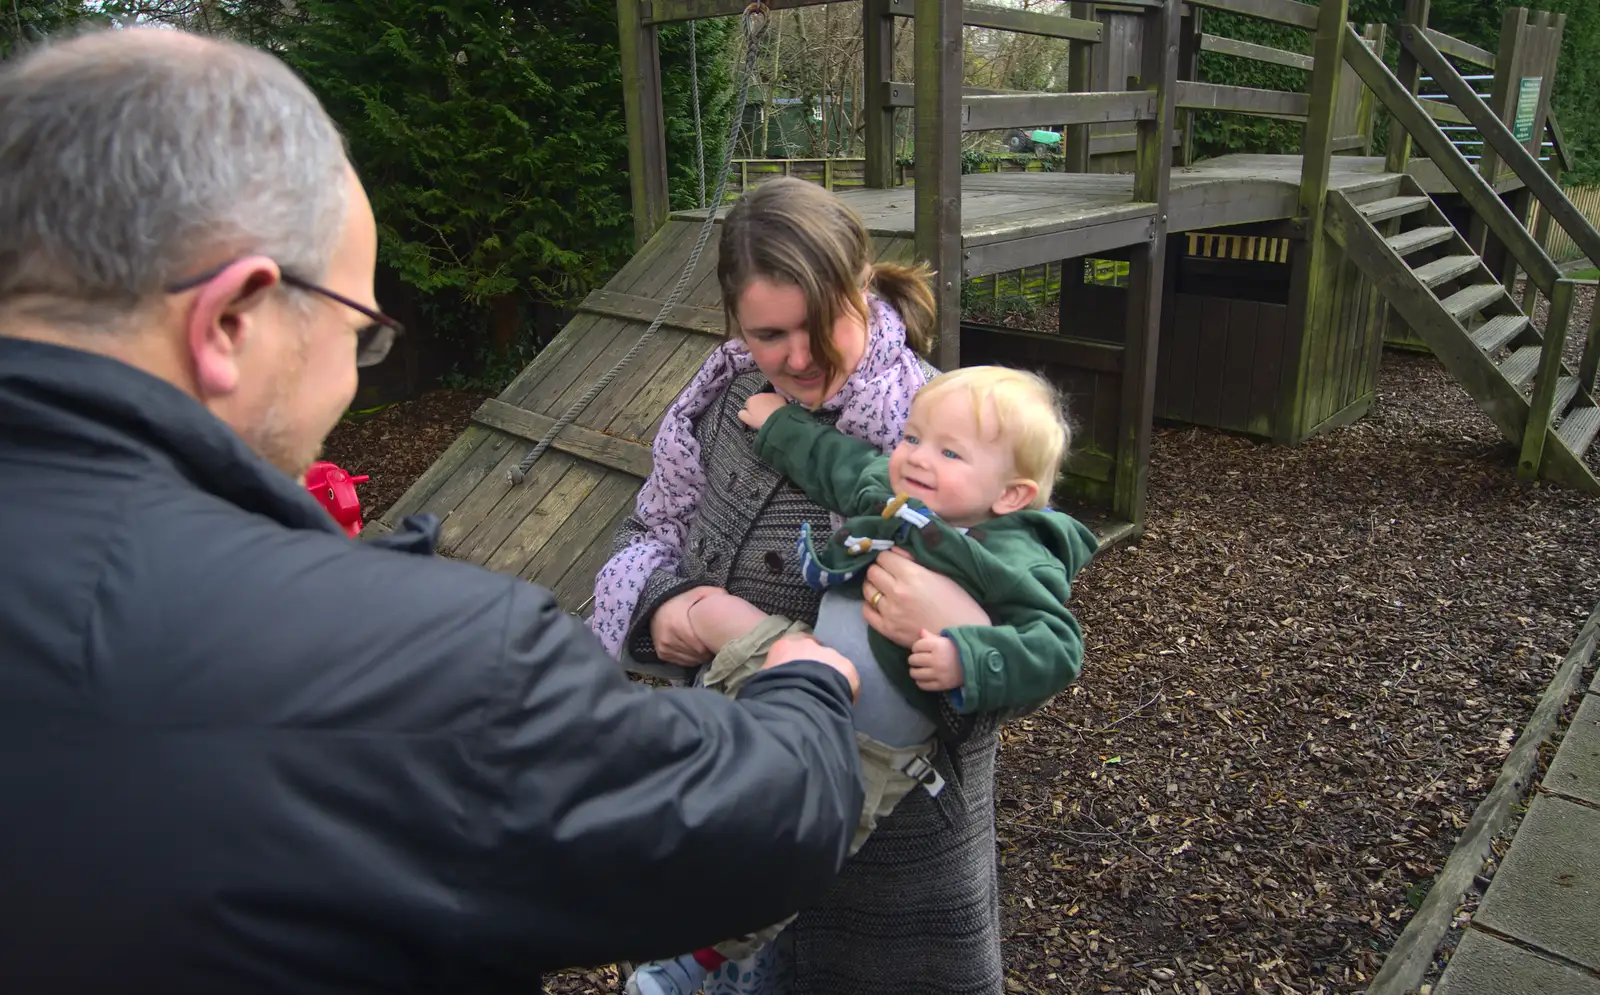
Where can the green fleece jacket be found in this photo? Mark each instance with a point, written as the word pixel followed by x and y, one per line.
pixel 1019 567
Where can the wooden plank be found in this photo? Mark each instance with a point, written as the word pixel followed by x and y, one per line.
pixel 1541 406
pixel 1244 100
pixel 592 523
pixel 1405 109
pixel 1021 110
pixel 1238 366
pixel 1210 359
pixel 462 517
pixel 1459 49
pixel 508 514
pixel 567 380
pixel 608 451
pixel 1186 328
pixel 483 463
pixel 611 304
pixel 1045 348
pixel 551 514
pixel 1447 113
pixel 640 415
pixel 1259 53
pixel 1011 254
pixel 1190 41
pixel 1027 22
pixel 1301 15
pixel 647 134
pixel 1268 367
pixel 938 57
pixel 877 33
pixel 1499 137
pixel 667 11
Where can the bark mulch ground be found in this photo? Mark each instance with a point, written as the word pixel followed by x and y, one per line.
pixel 1298 684
pixel 396 444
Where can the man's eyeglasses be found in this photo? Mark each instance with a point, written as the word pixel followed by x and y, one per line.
pixel 373 341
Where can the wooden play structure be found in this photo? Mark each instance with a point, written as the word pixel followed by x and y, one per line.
pixel 1258 288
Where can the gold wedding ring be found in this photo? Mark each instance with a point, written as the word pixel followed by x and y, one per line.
pixel 875 599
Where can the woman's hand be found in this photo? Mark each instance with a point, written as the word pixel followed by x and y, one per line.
pixel 672 632
pixel 914 598
pixel 759 407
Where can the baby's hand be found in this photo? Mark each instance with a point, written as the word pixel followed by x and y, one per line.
pixel 759 407
pixel 936 663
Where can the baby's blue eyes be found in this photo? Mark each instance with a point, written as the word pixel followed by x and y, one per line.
pixel 951 454
pixel 911 440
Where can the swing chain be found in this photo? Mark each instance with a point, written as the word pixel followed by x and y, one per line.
pixel 754 19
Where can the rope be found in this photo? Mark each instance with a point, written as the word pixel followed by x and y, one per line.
pixel 754 20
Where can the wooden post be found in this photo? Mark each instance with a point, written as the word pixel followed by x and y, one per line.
pixel 1544 389
pixel 1399 153
pixel 938 163
pixel 877 27
pixel 1367 112
pixel 1189 69
pixel 1310 295
pixel 1591 352
pixel 647 132
pixel 1502 101
pixel 1152 183
pixel 1080 79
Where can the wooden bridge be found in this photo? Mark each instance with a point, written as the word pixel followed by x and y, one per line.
pixel 1281 339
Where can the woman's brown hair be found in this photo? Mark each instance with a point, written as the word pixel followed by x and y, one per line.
pixel 793 232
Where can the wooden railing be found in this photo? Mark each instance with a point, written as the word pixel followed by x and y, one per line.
pixel 1551 199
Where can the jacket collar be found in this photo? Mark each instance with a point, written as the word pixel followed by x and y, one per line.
pixel 69 399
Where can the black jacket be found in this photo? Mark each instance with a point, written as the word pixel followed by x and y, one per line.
pixel 242 753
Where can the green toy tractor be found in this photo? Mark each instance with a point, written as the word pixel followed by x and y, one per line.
pixel 1037 141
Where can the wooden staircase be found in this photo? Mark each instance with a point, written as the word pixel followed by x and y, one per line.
pixel 1430 274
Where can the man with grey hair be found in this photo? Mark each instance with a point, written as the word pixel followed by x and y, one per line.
pixel 239 752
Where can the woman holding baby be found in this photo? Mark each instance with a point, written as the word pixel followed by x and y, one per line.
pixel 810 315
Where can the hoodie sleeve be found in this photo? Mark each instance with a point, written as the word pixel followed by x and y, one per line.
pixel 1033 649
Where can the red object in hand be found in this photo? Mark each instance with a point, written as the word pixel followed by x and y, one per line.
pixel 335 490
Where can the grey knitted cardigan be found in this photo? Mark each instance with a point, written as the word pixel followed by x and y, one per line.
pixel 916 911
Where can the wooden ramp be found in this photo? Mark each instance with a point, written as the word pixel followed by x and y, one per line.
pixel 555 528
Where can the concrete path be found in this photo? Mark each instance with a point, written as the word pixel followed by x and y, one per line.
pixel 1537 931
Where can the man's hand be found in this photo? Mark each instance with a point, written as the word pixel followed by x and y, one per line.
pixel 759 407
pixel 936 663
pixel 797 647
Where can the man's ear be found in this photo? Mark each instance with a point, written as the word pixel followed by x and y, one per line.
pixel 221 322
pixel 1018 495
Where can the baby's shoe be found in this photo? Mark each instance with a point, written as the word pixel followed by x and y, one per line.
pixel 679 976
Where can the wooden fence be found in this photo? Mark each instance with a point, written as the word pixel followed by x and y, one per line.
pixel 1560 247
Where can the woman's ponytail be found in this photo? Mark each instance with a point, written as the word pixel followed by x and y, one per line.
pixel 907 289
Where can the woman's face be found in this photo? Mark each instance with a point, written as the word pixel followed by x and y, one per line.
pixel 772 318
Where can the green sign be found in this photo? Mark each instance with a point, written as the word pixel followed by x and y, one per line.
pixel 1527 107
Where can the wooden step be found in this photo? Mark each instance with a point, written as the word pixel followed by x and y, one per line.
pixel 1448 268
pixel 1566 390
pixel 1408 242
pixel 1521 367
pixel 1473 299
pixel 1499 330
pixel 1579 429
pixel 1394 207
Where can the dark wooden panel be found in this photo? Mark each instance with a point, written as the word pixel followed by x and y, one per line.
pixel 1238 367
pixel 1185 351
pixel 1265 380
pixel 1092 312
pixel 1107 418
pixel 1211 354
